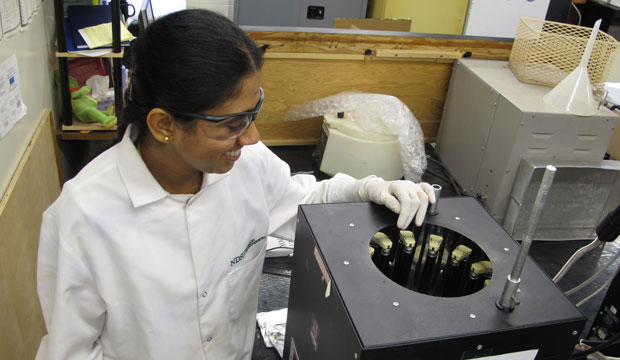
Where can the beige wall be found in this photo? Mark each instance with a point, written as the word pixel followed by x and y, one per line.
pixel 224 7
pixel 35 59
pixel 28 184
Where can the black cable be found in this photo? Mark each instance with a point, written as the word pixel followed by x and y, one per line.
pixel 599 347
pixel 280 247
pixel 445 169
pixel 442 177
pixel 457 189
pixel 592 342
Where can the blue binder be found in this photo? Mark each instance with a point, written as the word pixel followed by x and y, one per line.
pixel 81 16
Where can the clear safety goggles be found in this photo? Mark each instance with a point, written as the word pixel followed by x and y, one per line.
pixel 229 126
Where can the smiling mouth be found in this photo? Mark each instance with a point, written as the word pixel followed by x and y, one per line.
pixel 233 154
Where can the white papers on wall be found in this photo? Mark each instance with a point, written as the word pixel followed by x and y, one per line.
pixel 27 9
pixel 12 108
pixel 9 15
pixel 16 14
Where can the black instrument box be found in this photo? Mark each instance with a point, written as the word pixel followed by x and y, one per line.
pixel 342 307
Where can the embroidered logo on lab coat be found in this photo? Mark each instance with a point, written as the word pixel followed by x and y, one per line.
pixel 252 242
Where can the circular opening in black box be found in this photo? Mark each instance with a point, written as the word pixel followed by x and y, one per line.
pixel 431 260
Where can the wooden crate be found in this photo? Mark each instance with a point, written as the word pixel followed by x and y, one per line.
pixel 304 66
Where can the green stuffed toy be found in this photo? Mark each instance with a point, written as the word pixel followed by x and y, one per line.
pixel 85 108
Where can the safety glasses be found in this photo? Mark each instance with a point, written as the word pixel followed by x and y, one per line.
pixel 229 126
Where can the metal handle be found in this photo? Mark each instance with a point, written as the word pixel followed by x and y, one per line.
pixel 506 301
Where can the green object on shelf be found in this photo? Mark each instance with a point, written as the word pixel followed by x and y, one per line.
pixel 73 83
pixel 85 108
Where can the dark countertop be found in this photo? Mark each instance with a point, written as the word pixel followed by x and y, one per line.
pixel 273 295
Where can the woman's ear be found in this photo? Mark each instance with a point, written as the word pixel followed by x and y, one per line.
pixel 161 125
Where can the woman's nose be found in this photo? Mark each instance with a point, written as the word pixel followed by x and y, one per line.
pixel 250 136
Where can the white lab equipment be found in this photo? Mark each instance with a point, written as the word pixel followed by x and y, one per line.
pixel 347 148
pixel 492 121
pixel 376 113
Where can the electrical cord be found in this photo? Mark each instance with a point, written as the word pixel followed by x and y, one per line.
pixel 442 177
pixel 576 256
pixel 280 247
pixel 457 189
pixel 578 13
pixel 584 300
pixel 607 230
pixel 606 344
pixel 591 342
pixel 593 277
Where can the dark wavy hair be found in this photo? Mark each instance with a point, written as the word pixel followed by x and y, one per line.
pixel 189 61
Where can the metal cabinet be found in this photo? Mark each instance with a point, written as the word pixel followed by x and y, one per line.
pixel 438 16
pixel 492 121
pixel 304 13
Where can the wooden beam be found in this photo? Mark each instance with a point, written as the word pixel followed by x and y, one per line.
pixel 347 43
pixel 275 55
pixel 419 54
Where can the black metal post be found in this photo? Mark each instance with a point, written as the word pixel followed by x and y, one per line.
pixel 117 64
pixel 116 26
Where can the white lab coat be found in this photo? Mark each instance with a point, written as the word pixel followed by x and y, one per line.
pixel 129 271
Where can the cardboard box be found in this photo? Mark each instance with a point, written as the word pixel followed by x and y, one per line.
pixel 614 144
pixel 373 24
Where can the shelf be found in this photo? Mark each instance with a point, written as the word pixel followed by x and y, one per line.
pixel 85 131
pixel 78 55
pixel 86 135
pixel 63 57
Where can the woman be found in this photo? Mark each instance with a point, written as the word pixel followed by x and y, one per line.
pixel 155 249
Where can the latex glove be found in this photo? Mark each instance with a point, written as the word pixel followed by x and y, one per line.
pixel 406 198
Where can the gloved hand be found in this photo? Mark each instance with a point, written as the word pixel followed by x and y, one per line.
pixel 406 198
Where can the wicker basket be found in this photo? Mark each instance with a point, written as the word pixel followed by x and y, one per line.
pixel 545 52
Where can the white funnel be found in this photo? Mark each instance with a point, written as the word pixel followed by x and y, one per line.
pixel 574 93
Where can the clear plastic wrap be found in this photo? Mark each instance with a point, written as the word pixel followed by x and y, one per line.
pixel 384 114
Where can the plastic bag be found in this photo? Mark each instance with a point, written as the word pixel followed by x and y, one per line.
pixel 384 114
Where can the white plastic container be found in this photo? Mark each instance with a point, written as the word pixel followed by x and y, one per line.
pixel 357 152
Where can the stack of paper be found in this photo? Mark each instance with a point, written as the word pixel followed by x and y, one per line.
pixel 90 27
pixel 101 35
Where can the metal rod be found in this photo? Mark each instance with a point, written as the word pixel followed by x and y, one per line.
pixel 385 266
pixel 421 248
pixel 507 300
pixel 432 208
pixel 404 257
